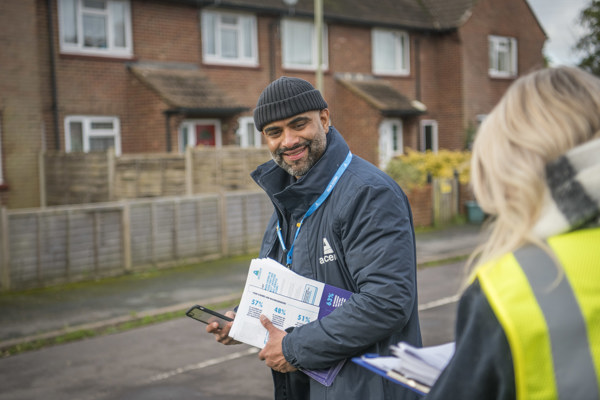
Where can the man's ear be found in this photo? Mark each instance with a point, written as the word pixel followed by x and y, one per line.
pixel 324 118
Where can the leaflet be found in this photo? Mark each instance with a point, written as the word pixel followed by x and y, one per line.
pixel 288 300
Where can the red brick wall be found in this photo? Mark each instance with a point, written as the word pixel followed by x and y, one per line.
pixel 21 126
pixel 166 31
pixel 361 133
pixel 442 87
pixel 420 200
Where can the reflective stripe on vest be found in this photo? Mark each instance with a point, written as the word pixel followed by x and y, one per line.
pixel 551 315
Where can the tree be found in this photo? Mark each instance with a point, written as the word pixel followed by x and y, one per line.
pixel 589 44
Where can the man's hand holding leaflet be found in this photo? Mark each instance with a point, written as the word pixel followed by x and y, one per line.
pixel 286 300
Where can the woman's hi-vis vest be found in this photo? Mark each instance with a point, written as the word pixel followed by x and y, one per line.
pixel 551 315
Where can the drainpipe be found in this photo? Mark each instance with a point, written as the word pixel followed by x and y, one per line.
pixel 53 76
pixel 168 129
pixel 272 26
pixel 418 84
pixel 418 69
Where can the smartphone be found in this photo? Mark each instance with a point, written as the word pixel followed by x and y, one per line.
pixel 207 316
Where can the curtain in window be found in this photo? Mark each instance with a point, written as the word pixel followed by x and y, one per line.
pixel 298 43
pixel 101 143
pixel 68 17
pixel 76 136
pixel 229 43
pixel 94 31
pixel 385 51
pixel 118 12
pixel 248 29
pixel 208 33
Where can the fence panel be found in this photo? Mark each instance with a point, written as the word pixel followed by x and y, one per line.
pixel 22 247
pixel 210 240
pixel 141 228
pixel 164 231
pixel 73 243
pixel 445 200
pixel 76 178
pixel 188 228
pixel 53 245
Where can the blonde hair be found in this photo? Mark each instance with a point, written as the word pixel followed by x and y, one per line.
pixel 541 116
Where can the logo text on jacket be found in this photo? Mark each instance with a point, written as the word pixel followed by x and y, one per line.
pixel 328 254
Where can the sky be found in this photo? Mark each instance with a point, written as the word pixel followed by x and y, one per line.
pixel 559 20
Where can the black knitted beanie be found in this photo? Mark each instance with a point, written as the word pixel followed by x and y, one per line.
pixel 284 98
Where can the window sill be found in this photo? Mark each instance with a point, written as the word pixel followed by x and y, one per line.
pixel 303 70
pixel 392 75
pixel 236 66
pixel 83 56
pixel 502 76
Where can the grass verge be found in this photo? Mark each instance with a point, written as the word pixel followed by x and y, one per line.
pixel 81 334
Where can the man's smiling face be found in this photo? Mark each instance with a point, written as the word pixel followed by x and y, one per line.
pixel 298 142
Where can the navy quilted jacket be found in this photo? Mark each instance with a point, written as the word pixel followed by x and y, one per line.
pixel 361 239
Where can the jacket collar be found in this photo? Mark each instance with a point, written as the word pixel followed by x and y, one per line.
pixel 296 197
pixel 573 197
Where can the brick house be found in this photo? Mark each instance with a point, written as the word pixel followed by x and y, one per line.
pixel 160 75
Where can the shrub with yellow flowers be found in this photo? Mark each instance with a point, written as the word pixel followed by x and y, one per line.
pixel 410 170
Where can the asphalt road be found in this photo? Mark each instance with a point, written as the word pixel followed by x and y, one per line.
pixel 178 360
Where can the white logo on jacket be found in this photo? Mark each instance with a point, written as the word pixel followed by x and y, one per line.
pixel 328 254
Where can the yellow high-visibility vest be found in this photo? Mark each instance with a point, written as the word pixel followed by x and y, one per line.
pixel 550 314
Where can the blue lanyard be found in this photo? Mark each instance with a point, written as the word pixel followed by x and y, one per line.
pixel 313 207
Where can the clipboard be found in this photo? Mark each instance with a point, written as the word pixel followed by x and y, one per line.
pixel 395 377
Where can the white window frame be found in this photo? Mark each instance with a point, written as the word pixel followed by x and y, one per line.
pixel 401 45
pixel 502 47
pixel 244 132
pixel 88 132
pixel 434 134
pixel 386 141
pixel 191 132
pixel 213 26
pixel 286 25
pixel 111 50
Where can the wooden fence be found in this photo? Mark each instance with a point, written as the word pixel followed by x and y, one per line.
pixel 446 200
pixel 39 247
pixel 77 178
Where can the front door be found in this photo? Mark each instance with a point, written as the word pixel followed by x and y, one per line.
pixel 205 135
pixel 199 132
pixel 390 141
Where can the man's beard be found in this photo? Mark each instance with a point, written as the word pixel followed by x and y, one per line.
pixel 316 148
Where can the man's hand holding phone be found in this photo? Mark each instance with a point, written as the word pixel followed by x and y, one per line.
pixel 221 332
pixel 216 323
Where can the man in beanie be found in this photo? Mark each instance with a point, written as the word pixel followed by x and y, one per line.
pixel 342 221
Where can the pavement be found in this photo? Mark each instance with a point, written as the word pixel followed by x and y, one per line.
pixel 50 313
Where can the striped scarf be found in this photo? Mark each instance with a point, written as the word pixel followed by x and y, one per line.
pixel 573 199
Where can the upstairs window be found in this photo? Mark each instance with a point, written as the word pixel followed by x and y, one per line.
pixel 503 56
pixel 87 134
pixel 299 43
pixel 95 27
pixel 229 38
pixel 390 51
